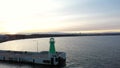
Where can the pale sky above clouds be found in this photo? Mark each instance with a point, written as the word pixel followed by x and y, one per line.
pixel 59 15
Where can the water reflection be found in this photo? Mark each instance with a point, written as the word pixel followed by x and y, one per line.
pixel 26 45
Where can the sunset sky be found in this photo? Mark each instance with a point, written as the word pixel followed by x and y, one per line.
pixel 59 15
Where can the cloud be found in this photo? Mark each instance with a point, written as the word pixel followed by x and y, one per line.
pixel 90 7
pixel 60 15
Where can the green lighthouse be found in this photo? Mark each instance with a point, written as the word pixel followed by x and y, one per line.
pixel 52 46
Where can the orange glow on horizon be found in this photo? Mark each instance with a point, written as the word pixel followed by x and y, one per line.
pixel 92 31
pixel 13 31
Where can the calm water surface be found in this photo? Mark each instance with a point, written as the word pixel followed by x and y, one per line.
pixel 82 52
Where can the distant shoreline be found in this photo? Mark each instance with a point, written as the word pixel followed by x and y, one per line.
pixel 8 37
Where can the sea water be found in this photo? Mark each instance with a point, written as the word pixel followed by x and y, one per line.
pixel 82 51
